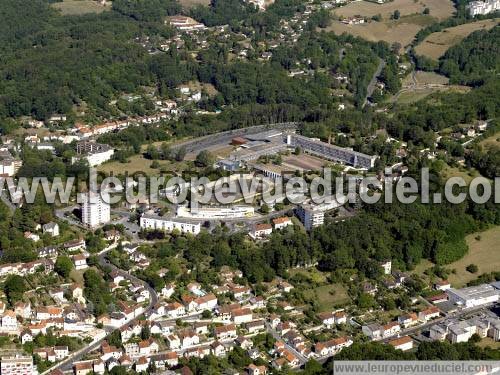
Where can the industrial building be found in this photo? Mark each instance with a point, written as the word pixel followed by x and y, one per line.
pixel 473 296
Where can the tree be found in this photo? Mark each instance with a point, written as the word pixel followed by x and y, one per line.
pixel 472 268
pixel 365 301
pixel 206 314
pixel 63 266
pixel 427 11
pixel 180 154
pixel 396 14
pixel 14 288
pixel 205 158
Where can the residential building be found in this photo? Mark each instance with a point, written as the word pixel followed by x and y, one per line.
pixel 153 222
pixel 17 365
pixel 95 210
pixel 402 343
pixel 94 153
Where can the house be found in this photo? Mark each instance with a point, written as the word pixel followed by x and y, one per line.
pixel 164 360
pixel 48 312
pixel 329 319
pixel 282 222
pixel 217 349
pixel 167 291
pixel 77 293
pixel 257 302
pixel 142 364
pixel 243 342
pixel 147 347
pixel 255 326
pixel 386 266
pixel 285 286
pixel 75 245
pixel 80 261
pixel 408 320
pixel 331 347
pixel 373 331
pixel 428 314
pixel 442 285
pixel 51 228
pixel 61 352
pixel 47 252
pixel 175 310
pixel 402 343
pixel 188 338
pixel 240 316
pixel 116 277
pixel 83 367
pixel 207 302
pixel 225 332
pixel 390 329
pixel 23 309
pixel 173 341
pixel 256 370
pixel 261 231
pixel 26 336
pixel 274 320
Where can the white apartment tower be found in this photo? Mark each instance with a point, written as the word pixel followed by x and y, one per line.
pixel 95 211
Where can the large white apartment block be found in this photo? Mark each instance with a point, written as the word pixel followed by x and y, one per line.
pixel 94 153
pixel 17 365
pixel 95 211
pixel 483 7
pixel 313 215
pixel 214 213
pixel 154 222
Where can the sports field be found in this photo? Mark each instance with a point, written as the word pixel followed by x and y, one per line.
pixel 436 44
pixel 78 7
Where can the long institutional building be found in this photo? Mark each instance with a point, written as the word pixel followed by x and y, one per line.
pixel 331 152
pixel 273 142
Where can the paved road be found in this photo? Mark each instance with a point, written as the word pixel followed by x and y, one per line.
pixel 67 364
pixel 373 82
pixel 277 336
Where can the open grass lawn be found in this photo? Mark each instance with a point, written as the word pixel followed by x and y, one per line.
pixel 484 253
pixel 430 78
pixel 388 31
pixel 488 341
pixel 191 3
pixel 466 174
pixel 77 7
pixel 311 273
pixel 493 141
pixel 328 296
pixel 440 9
pixel 138 163
pixel 436 44
pixel 402 30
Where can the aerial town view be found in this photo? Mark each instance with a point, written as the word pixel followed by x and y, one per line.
pixel 249 187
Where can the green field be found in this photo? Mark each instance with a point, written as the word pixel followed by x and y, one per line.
pixel 484 253
pixel 493 141
pixel 78 7
pixel 328 296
